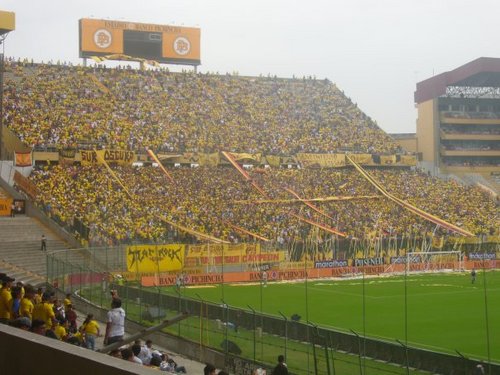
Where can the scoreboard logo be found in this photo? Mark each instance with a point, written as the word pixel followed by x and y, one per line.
pixel 182 46
pixel 102 38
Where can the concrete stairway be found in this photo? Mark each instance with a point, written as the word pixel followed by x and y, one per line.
pixel 20 243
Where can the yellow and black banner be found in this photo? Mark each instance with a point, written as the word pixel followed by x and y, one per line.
pixel 388 159
pixel 67 156
pixel 246 156
pixel 321 160
pixel 409 160
pixel 109 156
pixel 361 158
pixel 273 161
pixel 155 258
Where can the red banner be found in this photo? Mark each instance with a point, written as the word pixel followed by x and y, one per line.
pixel 23 159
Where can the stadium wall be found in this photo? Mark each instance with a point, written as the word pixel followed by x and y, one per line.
pixel 12 143
pixel 24 353
pixel 33 211
pixel 426 131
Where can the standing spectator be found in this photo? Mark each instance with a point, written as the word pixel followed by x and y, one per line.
pixel 67 301
pixel 12 210
pixel 90 330
pixel 72 317
pixel 44 243
pixel 16 302
pixel 61 329
pixel 6 299
pixel 37 298
pixel 26 309
pixel 44 311
pixel 115 326
pixel 280 368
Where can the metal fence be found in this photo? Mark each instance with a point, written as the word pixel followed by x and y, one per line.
pixel 249 337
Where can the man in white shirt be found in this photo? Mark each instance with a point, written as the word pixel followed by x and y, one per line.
pixel 115 326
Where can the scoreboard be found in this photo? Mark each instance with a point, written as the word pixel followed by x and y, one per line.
pixel 162 43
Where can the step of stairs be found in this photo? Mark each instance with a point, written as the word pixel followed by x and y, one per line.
pixel 20 247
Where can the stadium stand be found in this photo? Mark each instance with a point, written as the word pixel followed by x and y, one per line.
pixel 21 247
pixel 62 106
pixel 203 198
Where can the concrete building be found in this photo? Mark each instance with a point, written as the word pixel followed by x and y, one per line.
pixel 458 124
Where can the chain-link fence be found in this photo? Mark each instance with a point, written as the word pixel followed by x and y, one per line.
pixel 247 334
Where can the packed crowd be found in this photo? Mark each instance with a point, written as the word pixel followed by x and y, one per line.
pixel 219 202
pixel 65 106
pixel 41 312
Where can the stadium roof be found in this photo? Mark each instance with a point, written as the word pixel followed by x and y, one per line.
pixel 482 72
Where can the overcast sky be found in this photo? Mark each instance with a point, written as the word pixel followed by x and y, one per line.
pixel 375 50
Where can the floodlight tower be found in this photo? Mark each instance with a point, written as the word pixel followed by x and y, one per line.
pixel 7 24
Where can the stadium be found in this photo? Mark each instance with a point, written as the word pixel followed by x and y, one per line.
pixel 239 218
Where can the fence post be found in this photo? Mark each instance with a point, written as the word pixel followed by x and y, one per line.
pixel 254 336
pixel 202 302
pixel 406 356
pixel 359 351
pixel 225 317
pixel 464 360
pixel 309 325
pixel 286 331
pixel 330 341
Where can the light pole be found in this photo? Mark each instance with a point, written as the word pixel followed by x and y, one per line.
pixel 7 24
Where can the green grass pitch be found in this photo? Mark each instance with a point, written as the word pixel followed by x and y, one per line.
pixel 444 312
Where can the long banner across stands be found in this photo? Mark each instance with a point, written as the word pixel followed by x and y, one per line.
pixel 339 160
pixel 339 269
pixel 110 156
pixel 306 160
pixel 172 257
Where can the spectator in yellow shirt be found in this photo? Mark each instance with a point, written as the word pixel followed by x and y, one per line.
pixel 90 329
pixel 44 311
pixel 6 299
pixel 61 329
pixel 27 306
pixel 67 301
